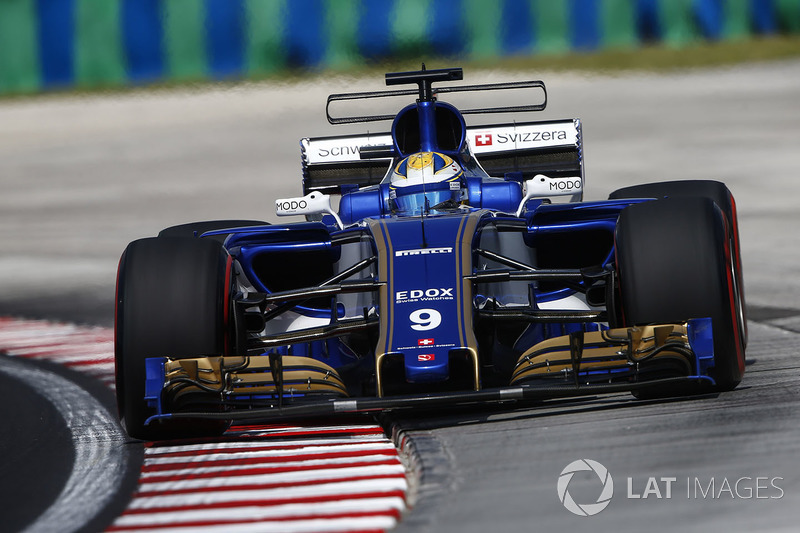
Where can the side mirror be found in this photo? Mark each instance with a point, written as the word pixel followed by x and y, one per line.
pixel 542 186
pixel 314 203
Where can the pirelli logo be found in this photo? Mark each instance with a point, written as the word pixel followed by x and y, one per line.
pixel 423 251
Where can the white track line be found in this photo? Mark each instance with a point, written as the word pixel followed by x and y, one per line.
pixel 310 525
pixel 291 510
pixel 320 491
pixel 284 478
pixel 232 470
pixel 333 449
pixel 223 446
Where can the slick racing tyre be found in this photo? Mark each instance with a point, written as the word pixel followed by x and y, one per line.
pixel 722 196
pixel 195 229
pixel 173 300
pixel 674 263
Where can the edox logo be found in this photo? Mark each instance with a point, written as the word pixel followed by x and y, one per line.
pixel 423 295
pixel 585 509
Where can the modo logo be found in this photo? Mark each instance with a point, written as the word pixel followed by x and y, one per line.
pixel 291 205
pixel 568 185
pixel 587 509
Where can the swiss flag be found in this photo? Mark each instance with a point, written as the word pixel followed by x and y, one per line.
pixel 483 139
pixel 424 342
pixel 426 357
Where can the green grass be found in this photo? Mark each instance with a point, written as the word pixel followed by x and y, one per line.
pixel 656 58
pixel 661 58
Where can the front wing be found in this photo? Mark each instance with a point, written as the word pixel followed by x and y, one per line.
pixel 238 388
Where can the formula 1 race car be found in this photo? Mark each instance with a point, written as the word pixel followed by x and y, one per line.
pixel 461 266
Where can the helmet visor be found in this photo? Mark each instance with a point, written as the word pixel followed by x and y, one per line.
pixel 417 203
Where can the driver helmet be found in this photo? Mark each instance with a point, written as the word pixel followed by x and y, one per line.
pixel 425 182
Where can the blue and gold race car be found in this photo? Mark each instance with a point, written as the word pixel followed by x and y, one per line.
pixel 459 266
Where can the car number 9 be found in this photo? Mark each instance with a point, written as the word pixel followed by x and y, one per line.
pixel 425 319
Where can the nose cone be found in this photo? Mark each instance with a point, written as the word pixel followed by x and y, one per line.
pixel 429 365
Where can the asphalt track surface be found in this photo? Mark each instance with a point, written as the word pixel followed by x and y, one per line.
pixel 82 176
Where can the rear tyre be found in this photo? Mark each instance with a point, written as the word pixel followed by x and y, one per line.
pixel 674 263
pixel 721 196
pixel 173 299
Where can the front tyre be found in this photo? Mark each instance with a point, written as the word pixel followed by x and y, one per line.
pixel 173 300
pixel 675 263
pixel 722 196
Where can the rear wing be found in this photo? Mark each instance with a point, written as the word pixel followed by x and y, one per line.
pixel 553 148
